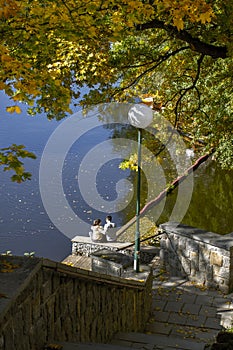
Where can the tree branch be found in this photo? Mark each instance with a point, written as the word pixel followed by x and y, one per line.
pixel 184 92
pixel 159 61
pixel 195 43
pixel 165 192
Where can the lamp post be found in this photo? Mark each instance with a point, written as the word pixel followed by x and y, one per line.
pixel 140 116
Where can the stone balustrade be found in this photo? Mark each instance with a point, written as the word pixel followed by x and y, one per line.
pixel 204 257
pixel 82 245
pixel 47 302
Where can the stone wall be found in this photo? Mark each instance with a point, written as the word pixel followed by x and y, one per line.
pixel 62 303
pixel 84 246
pixel 204 257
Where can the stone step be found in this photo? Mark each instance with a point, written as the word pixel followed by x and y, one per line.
pixel 156 341
pixel 176 319
pixel 198 333
pixel 91 346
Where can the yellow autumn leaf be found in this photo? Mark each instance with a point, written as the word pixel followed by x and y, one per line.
pixel 2 85
pixel 18 97
pixel 19 170
pixel 6 58
pixel 178 23
pixel 18 109
pixel 10 109
pixel 206 17
pixel 13 109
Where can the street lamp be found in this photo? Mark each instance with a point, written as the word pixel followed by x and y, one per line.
pixel 140 116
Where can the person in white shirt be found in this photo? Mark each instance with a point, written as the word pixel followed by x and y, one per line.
pixel 109 230
pixel 97 231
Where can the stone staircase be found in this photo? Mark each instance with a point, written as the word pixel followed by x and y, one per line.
pixel 92 346
pixel 184 317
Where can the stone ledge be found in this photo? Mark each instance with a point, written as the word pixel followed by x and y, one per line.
pixel 87 240
pixel 202 256
pixel 129 277
pixel 85 247
pixel 215 239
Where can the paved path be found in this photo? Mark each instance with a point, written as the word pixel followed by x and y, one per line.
pixel 184 316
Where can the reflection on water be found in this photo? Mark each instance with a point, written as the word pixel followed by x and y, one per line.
pixel 211 207
pixel 211 204
pixel 87 181
pixel 24 223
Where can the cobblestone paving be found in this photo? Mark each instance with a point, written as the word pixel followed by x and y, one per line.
pixel 184 316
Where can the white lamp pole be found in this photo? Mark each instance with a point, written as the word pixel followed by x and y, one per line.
pixel 140 116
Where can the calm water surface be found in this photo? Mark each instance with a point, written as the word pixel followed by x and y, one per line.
pixel 24 224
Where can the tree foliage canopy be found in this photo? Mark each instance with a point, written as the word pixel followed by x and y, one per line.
pixel 178 51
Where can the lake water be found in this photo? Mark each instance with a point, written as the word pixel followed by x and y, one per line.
pixel 26 225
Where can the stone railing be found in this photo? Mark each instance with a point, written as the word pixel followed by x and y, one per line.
pixel 57 303
pixel 84 246
pixel 204 257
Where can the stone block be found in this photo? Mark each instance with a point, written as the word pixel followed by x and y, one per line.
pixel 223 285
pixel 199 277
pixel 216 259
pixel 210 254
pixel 185 253
pixel 163 255
pixel 221 272
pixel 194 255
pixel 186 265
pixel 194 258
pixel 182 243
pixel 226 262
pixel 192 245
pixel 110 263
pixel 205 253
pixel 46 289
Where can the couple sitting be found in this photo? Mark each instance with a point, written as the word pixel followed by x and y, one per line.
pixel 101 234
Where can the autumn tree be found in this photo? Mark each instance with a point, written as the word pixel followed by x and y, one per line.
pixel 178 51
